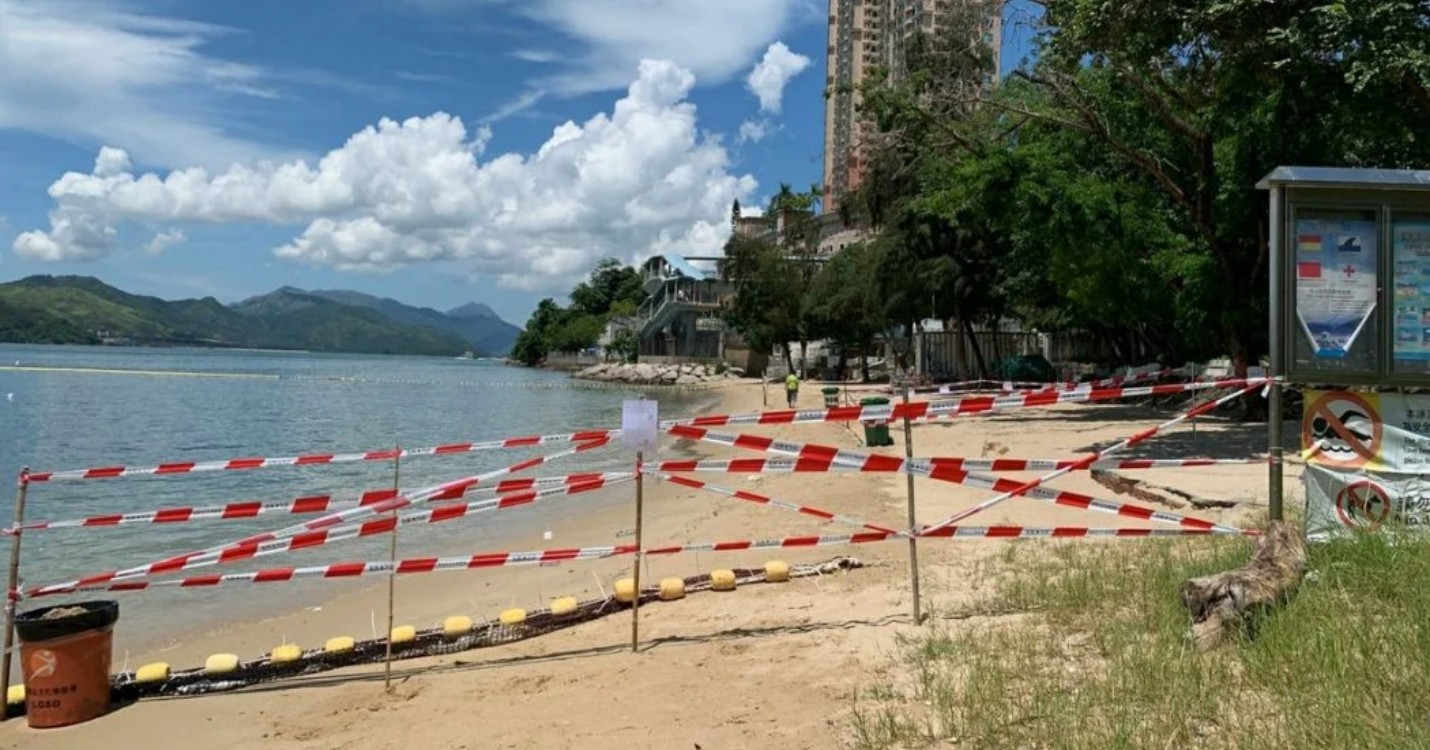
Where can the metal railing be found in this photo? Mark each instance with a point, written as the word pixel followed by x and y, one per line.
pixel 680 292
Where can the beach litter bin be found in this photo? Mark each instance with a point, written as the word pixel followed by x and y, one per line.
pixel 65 652
pixel 876 433
pixel 831 397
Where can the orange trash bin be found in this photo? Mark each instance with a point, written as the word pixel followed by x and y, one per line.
pixel 65 652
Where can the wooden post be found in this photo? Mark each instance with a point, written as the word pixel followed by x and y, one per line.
pixel 636 576
pixel 13 584
pixel 392 576
pixel 913 516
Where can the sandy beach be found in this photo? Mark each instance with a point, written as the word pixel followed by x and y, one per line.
pixel 767 666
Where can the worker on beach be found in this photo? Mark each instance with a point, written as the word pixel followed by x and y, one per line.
pixel 792 389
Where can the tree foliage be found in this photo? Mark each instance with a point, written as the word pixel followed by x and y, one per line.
pixel 612 290
pixel 1109 186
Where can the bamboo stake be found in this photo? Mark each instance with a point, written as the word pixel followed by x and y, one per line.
pixel 22 490
pixel 913 515
pixel 392 576
pixel 636 576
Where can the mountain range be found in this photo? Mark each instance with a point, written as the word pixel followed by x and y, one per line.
pixel 85 310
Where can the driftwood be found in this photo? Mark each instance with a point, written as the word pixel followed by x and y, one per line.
pixel 1153 493
pixel 1225 601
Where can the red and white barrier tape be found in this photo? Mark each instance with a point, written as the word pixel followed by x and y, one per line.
pixel 813 456
pixel 171 564
pixel 545 557
pixel 356 569
pixel 301 506
pixel 1068 385
pixel 1062 532
pixel 1028 488
pixel 315 459
pixel 920 410
pixel 373 527
pixel 756 497
pixel 881 413
pixel 996 465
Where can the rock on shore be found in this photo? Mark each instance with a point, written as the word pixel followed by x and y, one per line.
pixel 645 373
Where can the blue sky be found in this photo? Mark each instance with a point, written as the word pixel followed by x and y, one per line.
pixel 490 180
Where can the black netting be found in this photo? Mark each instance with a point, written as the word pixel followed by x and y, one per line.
pixel 431 642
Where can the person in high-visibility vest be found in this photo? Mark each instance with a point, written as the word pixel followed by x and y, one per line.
pixel 792 389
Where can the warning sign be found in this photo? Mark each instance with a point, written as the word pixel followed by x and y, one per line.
pixel 1367 462
pixel 1363 504
pixel 1341 430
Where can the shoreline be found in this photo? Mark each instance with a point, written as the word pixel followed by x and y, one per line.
pixel 521 530
pixel 767 666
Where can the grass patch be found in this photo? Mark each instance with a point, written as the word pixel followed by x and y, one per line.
pixel 1102 659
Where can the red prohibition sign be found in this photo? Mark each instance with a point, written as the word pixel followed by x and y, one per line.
pixel 1363 503
pixel 1326 421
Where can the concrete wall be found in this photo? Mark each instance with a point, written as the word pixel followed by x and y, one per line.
pixel 566 360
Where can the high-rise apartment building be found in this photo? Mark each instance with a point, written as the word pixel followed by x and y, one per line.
pixel 865 36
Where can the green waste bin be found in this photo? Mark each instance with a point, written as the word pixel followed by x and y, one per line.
pixel 876 434
pixel 831 397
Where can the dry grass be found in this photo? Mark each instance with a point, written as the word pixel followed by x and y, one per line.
pixel 1101 659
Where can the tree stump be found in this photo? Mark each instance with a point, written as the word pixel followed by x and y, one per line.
pixel 1225 601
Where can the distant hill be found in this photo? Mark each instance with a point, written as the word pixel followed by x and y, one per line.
pixel 304 320
pixel 485 331
pixel 85 310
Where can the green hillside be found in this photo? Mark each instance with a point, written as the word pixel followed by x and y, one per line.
pixel 84 310
pixel 486 333
pixel 292 318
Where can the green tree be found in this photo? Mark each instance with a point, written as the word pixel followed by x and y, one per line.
pixel 611 290
pixel 1198 99
pixel 609 284
pixel 534 342
pixel 766 307
pixel 624 345
pixel 844 303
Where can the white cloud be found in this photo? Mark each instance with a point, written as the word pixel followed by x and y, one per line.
pixel 639 179
pixel 536 55
pixel 85 70
pixel 408 75
pixel 714 40
pixel 767 80
pixel 165 240
pixel 754 131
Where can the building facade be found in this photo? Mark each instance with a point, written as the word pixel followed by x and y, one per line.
pixel 680 319
pixel 866 36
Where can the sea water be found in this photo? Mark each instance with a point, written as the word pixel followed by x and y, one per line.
pixel 78 407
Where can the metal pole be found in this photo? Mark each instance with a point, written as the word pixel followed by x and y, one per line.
pixel 636 602
pixel 913 516
pixel 392 576
pixel 1273 406
pixel 11 601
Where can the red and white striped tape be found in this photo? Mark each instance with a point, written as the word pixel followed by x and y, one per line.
pixel 171 564
pixel 373 527
pixel 920 410
pixel 1062 532
pixel 879 413
pixel 756 497
pixel 1033 486
pixel 996 465
pixel 314 459
pixel 303 505
pixel 814 456
pixel 357 569
pixel 545 557
pixel 1007 386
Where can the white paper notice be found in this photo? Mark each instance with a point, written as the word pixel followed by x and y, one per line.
pixel 640 425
